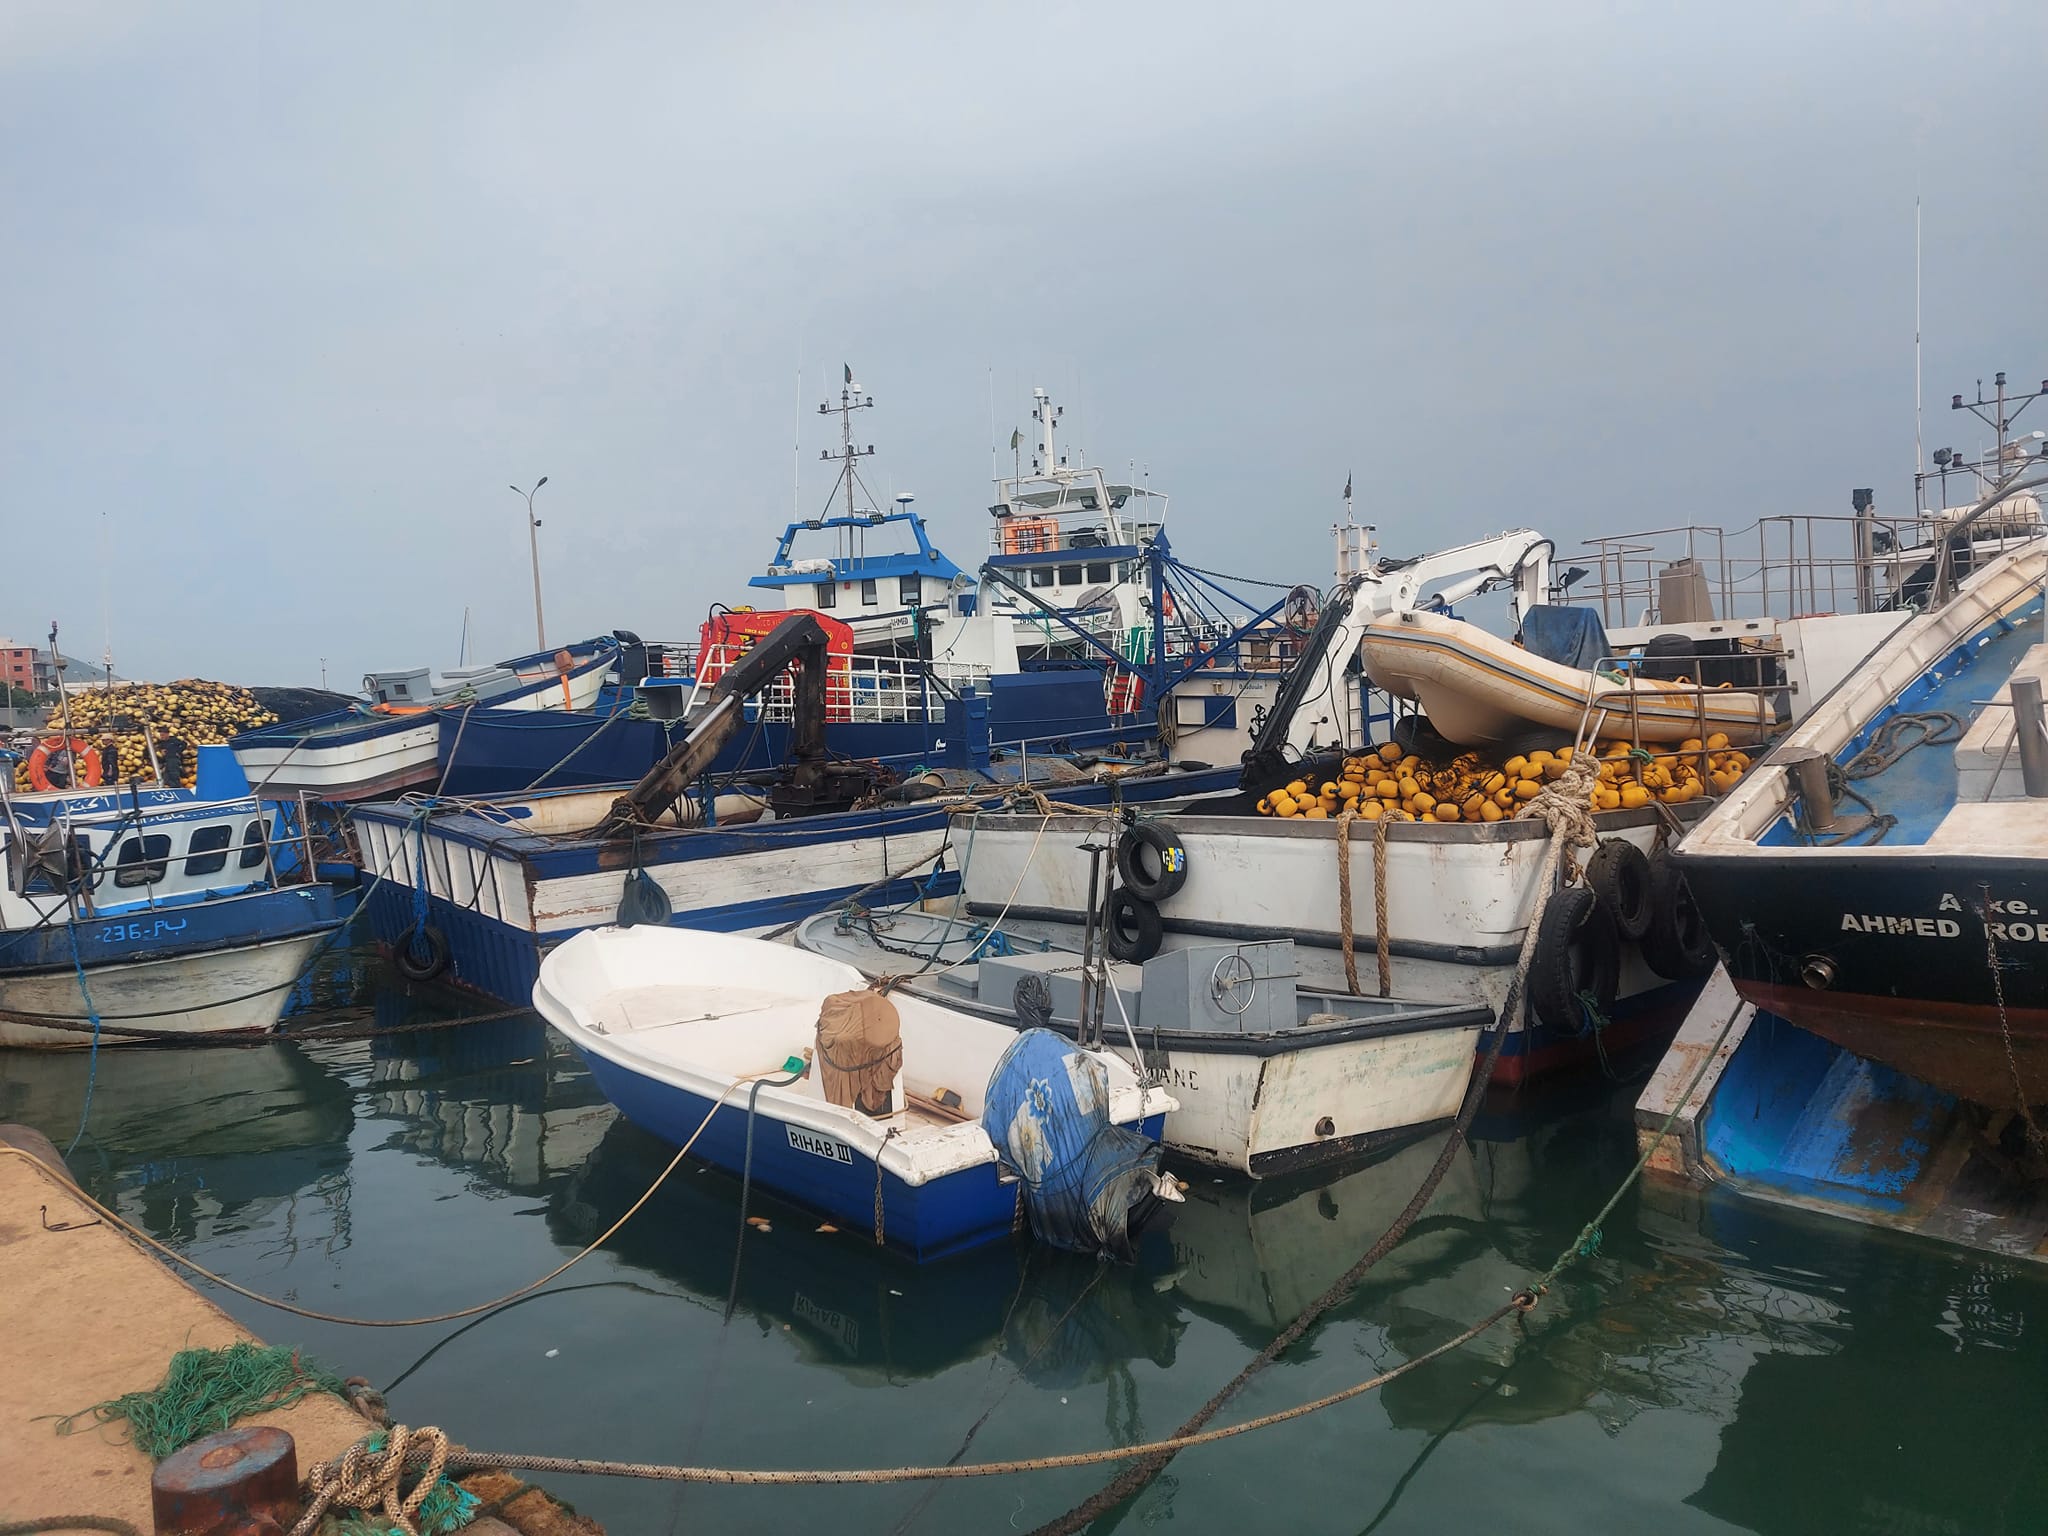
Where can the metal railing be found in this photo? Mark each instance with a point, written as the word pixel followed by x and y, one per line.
pixel 1779 567
pixel 866 689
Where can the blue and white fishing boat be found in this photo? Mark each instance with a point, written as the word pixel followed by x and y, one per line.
pixel 1081 632
pixel 480 889
pixel 1876 1043
pixel 389 741
pixel 895 1116
pixel 153 909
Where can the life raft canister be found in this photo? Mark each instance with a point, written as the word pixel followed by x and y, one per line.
pixel 75 758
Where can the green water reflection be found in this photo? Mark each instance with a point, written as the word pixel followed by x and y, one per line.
pixel 1717 1366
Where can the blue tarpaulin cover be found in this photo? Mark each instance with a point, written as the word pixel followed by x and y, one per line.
pixel 1570 636
pixel 1047 1111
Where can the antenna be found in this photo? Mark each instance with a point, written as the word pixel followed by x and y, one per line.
pixel 106 601
pixel 796 494
pixel 849 455
pixel 1919 459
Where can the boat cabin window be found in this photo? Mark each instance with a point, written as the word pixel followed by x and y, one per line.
pixel 207 853
pixel 869 595
pixel 1099 571
pixel 1070 575
pixel 908 593
pixel 143 860
pixel 828 594
pixel 252 846
pixel 1041 577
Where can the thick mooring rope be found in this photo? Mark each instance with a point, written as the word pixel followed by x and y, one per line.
pixel 1382 944
pixel 1344 819
pixel 1382 941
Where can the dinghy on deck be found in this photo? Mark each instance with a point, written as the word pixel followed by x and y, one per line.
pixel 1481 690
pixel 754 1042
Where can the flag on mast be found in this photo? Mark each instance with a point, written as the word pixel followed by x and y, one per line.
pixel 1016 439
pixel 1347 485
pixel 849 371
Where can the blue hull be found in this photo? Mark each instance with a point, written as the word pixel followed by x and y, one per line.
pixel 1796 1114
pixel 944 1216
pixel 496 752
pixel 190 927
pixel 502 960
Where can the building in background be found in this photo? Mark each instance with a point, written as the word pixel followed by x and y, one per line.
pixel 18 666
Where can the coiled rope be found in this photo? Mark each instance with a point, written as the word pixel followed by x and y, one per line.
pixel 366 1479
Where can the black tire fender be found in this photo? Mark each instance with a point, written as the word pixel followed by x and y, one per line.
pixel 1677 945
pixel 1132 929
pixel 1151 861
pixel 1578 961
pixel 421 952
pixel 1619 874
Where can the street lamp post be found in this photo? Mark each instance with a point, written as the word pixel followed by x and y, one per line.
pixel 540 633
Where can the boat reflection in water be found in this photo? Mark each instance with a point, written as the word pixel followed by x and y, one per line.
pixel 848 1305
pixel 180 1141
pixel 506 1102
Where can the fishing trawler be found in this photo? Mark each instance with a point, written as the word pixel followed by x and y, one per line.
pixel 1080 633
pixel 1879 884
pixel 148 909
pixel 479 889
pixel 1689 649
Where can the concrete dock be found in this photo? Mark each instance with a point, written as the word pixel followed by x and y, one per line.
pixel 87 1314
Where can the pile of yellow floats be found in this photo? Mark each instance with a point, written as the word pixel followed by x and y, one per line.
pixel 1387 782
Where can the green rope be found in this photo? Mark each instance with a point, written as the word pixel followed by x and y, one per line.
pixel 1587 1243
pixel 208 1390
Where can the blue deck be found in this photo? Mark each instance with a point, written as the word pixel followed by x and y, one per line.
pixel 1920 788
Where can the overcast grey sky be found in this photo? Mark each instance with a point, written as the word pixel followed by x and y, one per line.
pixel 292 294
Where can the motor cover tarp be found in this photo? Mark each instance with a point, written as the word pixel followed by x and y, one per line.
pixel 860 1051
pixel 1568 635
pixel 1047 1111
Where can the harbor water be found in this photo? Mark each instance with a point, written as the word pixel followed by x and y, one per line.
pixel 1716 1365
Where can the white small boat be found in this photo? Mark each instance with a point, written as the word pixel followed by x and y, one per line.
pixel 1481 690
pixel 698 1034
pixel 391 740
pixel 1269 1077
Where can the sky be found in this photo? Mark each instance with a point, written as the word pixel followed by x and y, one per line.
pixel 293 294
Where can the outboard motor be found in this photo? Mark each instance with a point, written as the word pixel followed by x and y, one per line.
pixel 632 660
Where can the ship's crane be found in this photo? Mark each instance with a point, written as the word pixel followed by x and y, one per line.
pixel 815 782
pixel 1308 713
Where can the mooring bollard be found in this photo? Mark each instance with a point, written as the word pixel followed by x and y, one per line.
pixel 233 1481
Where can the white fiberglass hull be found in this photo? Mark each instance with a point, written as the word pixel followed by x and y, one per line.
pixel 212 992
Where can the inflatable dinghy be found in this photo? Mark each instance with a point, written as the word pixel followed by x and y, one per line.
pixel 1480 690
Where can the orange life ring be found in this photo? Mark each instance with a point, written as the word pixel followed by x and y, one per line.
pixel 85 762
